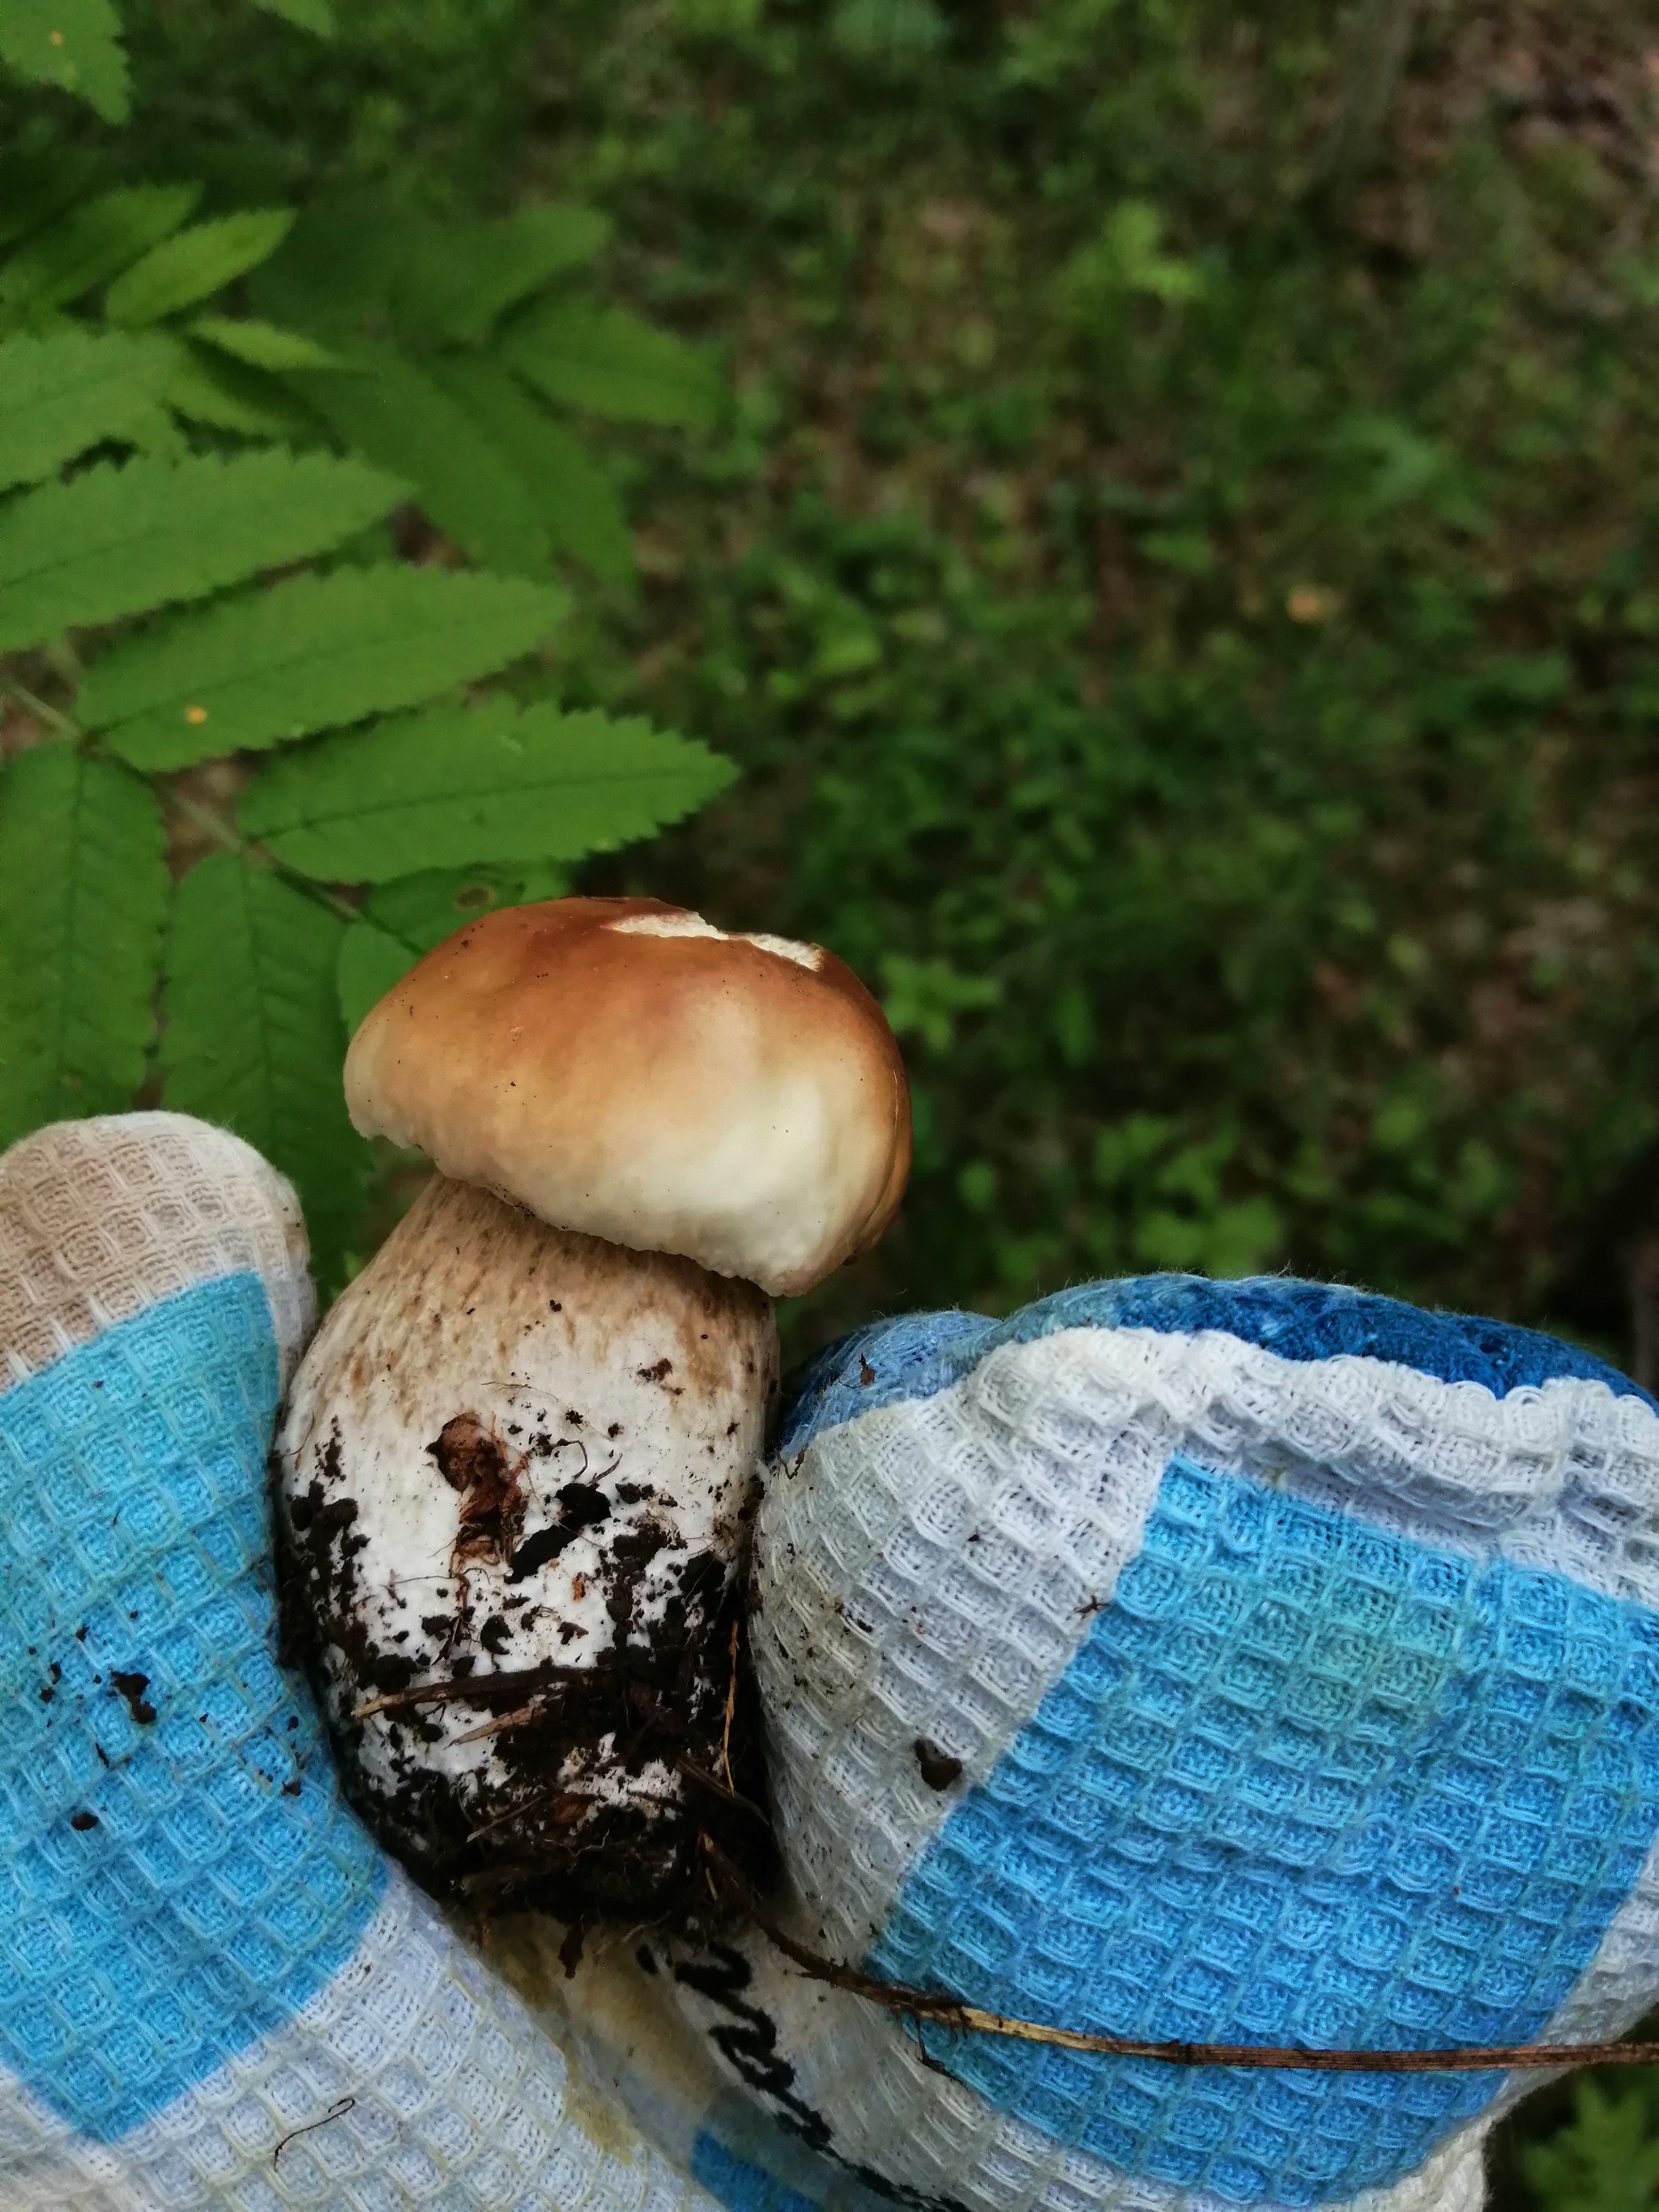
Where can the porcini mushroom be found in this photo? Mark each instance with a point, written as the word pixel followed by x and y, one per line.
pixel 519 1461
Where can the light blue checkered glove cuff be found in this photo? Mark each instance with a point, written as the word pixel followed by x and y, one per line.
pixel 1300 1652
pixel 201 1951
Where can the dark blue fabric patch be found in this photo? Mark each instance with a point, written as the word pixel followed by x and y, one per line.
pixel 910 1356
pixel 918 1354
pixel 1304 1783
pixel 740 2185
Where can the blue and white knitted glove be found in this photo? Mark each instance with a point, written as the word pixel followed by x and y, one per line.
pixel 1295 1647
pixel 1247 1663
pixel 201 1951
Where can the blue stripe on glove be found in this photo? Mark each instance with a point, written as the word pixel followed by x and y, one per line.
pixel 914 1355
pixel 1305 1783
pixel 178 1874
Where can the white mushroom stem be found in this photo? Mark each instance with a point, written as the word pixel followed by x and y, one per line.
pixel 516 1475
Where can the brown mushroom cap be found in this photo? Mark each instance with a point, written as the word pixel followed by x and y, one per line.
pixel 622 1069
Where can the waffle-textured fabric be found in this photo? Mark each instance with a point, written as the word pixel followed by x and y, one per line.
pixel 214 1991
pixel 1257 1663
pixel 634 2041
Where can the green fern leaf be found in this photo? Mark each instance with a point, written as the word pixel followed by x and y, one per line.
pixel 371 961
pixel 305 14
pixel 403 920
pixel 459 281
pixel 261 345
pixel 253 1037
pixel 88 245
pixel 495 782
pixel 118 541
pixel 608 361
pixel 310 655
pixel 575 503
pixel 395 414
pixel 60 394
pixel 204 387
pixel 1605 2159
pixel 157 437
pixel 74 44
pixel 84 893
pixel 194 264
pixel 334 273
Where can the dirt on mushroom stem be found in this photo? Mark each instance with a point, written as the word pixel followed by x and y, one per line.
pixel 514 1485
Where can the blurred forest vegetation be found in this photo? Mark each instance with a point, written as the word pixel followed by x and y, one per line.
pixel 1176 569
pixel 1177 572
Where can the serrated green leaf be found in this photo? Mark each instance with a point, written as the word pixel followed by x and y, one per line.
pixel 194 264
pixel 401 920
pixel 610 362
pixel 121 541
pixel 84 893
pixel 253 1038
pixel 73 44
pixel 422 910
pixel 575 504
pixel 314 653
pixel 370 963
pixel 261 345
pixel 459 281
pixel 204 387
pixel 88 245
pixel 305 14
pixel 61 394
pixel 493 782
pixel 333 274
pixel 158 436
pixel 394 413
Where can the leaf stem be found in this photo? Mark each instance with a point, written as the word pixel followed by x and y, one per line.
pixel 204 818
pixel 250 849
pixel 25 697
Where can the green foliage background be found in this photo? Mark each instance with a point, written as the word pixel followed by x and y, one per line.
pixel 222 535
pixel 1180 582
pixel 1174 560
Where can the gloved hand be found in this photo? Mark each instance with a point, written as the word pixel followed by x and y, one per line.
pixel 1295 1650
pixel 1249 1662
pixel 201 1950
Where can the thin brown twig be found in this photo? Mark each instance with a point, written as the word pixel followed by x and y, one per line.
pixel 478 1689
pixel 705 1781
pixel 395 1700
pixel 502 1723
pixel 914 2006
pixel 521 1812
pixel 731 1708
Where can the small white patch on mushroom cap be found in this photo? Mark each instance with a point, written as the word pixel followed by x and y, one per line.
pixel 809 957
pixel 786 948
